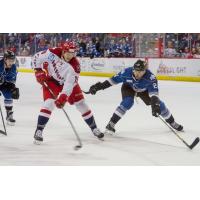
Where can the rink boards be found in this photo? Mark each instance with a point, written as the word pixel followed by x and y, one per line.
pixel 163 68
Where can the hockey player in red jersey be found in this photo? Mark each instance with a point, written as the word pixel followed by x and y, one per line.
pixel 60 69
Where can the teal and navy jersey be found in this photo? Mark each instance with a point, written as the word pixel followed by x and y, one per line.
pixel 10 75
pixel 147 83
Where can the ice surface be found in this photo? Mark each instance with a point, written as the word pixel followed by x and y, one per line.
pixel 140 138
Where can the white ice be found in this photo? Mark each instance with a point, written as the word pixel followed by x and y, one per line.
pixel 140 138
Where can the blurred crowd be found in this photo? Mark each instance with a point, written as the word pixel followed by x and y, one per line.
pixel 182 45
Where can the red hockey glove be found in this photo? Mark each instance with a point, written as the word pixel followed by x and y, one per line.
pixel 61 100
pixel 40 76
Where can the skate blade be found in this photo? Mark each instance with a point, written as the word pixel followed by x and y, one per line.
pixel 108 132
pixel 101 139
pixel 10 123
pixel 182 131
pixel 37 142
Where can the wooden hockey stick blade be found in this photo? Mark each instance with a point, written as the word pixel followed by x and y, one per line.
pixel 196 141
pixel 3 132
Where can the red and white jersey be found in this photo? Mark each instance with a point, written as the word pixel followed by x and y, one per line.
pixel 63 72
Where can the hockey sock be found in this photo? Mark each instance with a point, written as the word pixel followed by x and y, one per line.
pixel 170 120
pixel 114 119
pixel 8 104
pixel 8 109
pixel 165 113
pixel 89 119
pixel 43 118
pixel 42 121
pixel 120 111
pixel 125 105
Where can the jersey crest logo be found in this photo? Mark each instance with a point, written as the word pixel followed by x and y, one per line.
pixel 51 57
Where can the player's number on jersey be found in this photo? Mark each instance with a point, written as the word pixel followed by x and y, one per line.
pixel 155 85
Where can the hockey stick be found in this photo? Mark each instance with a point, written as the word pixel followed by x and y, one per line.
pixel 195 142
pixel 86 92
pixel 3 132
pixel 77 147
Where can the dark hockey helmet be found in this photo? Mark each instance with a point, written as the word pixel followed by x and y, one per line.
pixel 140 65
pixel 9 55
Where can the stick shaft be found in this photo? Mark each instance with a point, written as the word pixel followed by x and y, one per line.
pixel 72 125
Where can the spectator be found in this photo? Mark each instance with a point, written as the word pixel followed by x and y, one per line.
pixel 98 46
pixel 186 53
pixel 194 52
pixel 42 45
pixel 82 48
pixel 197 55
pixel 1 45
pixel 25 50
pixel 13 49
pixel 183 41
pixel 112 47
pixel 170 51
pixel 91 50
pixel 126 48
pixel 108 45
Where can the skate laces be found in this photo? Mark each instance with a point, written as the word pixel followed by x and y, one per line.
pixel 38 133
pixel 175 125
pixel 111 124
pixel 96 131
pixel 10 116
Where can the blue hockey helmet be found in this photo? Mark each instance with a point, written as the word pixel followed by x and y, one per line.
pixel 9 55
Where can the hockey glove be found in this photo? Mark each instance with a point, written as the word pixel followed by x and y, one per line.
pixel 155 106
pixel 40 76
pixel 99 86
pixel 94 88
pixel 61 100
pixel 15 93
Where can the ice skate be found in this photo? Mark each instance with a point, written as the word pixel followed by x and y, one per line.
pixel 109 129
pixel 38 137
pixel 98 133
pixel 9 118
pixel 176 126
